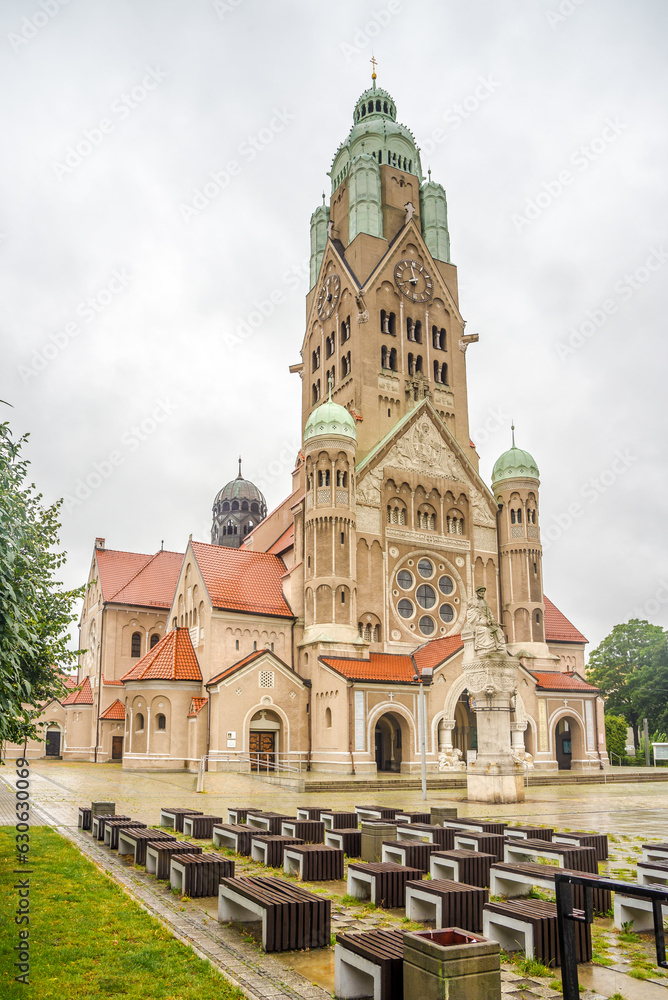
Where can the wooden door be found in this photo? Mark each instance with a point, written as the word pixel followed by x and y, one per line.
pixel 53 743
pixel 117 748
pixel 262 747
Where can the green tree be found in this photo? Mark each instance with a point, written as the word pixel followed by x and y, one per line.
pixel 615 735
pixel 618 667
pixel 35 612
pixel 653 689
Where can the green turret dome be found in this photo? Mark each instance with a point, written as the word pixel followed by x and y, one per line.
pixel 513 464
pixel 330 418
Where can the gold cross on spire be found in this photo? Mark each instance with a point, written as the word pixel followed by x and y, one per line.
pixel 373 61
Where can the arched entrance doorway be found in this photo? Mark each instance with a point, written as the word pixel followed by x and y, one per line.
pixel 465 735
pixel 568 745
pixel 264 740
pixel 389 742
pixel 53 740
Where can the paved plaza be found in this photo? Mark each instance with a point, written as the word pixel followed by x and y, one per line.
pixel 630 812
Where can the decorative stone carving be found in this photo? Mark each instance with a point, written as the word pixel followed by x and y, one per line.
pixel 451 760
pixel 487 633
pixel 368 487
pixel 523 757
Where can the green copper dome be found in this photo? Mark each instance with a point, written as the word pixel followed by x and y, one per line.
pixel 513 464
pixel 330 418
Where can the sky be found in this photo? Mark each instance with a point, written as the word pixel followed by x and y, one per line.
pixel 161 161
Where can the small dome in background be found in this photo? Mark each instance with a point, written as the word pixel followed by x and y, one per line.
pixel 238 508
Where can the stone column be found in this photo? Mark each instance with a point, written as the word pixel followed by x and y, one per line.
pixel 445 730
pixel 517 730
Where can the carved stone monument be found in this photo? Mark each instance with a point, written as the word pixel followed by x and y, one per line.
pixel 491 679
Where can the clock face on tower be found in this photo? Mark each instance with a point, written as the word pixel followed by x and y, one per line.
pixel 329 296
pixel 413 280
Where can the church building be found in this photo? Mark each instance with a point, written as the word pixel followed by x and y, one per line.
pixel 301 637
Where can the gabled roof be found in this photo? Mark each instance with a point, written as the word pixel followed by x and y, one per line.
pixel 557 626
pixel 109 683
pixel 237 580
pixel 396 668
pixel 556 681
pixel 250 658
pixel 137 578
pixel 115 711
pixel 284 542
pixel 196 706
pixel 171 659
pixel 81 696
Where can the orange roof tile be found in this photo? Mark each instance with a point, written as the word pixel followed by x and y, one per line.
pixel 81 696
pixel 396 668
pixel 236 666
pixel 115 711
pixel 135 578
pixel 557 681
pixel 109 683
pixel 171 659
pixel 238 580
pixel 283 542
pixel 435 652
pixel 557 626
pixel 196 707
pixel 69 681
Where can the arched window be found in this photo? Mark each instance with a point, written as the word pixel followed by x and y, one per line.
pixel 226 507
pixel 160 721
pixel 315 360
pixel 235 505
pixel 341 478
pixel 393 359
pixel 136 644
pixel 328 718
pixel 454 523
pixel 426 517
pixel 396 512
pixel 418 363
pixel 155 639
pixel 417 332
pixel 323 477
pixel 388 323
pixel 384 357
pixel 345 330
pixel 139 722
pixel 411 365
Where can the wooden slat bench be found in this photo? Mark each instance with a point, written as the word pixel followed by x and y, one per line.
pixel 173 816
pixel 311 831
pixel 200 827
pixel 313 862
pixel 159 855
pixel 411 853
pixel 486 843
pixel 410 817
pixel 479 825
pixel 447 903
pixel 267 848
pixel 270 822
pixel 582 838
pixel 197 875
pixel 237 815
pixel 469 867
pixel 652 872
pixel 512 880
pixel 236 837
pixel 532 832
pixel 97 823
pixel 340 820
pixel 370 964
pixel 581 859
pixel 654 852
pixel 291 916
pixel 348 841
pixel 530 925
pixel 443 837
pixel 84 821
pixel 133 841
pixel 635 910
pixel 113 827
pixel 312 812
pixel 382 882
pixel 375 812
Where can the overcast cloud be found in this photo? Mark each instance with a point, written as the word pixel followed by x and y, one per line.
pixel 128 350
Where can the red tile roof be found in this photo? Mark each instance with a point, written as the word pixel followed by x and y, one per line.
pixel 69 681
pixel 556 681
pixel 136 578
pixel 284 542
pixel 109 683
pixel 236 666
pixel 80 696
pixel 238 580
pixel 196 707
pixel 436 651
pixel 115 711
pixel 557 626
pixel 396 668
pixel 171 659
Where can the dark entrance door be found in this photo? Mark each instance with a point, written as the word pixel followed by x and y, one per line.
pixel 564 751
pixel 380 756
pixel 117 748
pixel 262 750
pixel 53 743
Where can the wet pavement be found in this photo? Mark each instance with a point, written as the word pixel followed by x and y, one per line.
pixel 629 813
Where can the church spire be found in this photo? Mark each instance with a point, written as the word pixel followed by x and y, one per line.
pixel 240 476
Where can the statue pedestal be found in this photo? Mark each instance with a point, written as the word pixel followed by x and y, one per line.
pixel 495 778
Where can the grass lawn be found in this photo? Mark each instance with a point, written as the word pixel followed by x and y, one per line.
pixel 88 939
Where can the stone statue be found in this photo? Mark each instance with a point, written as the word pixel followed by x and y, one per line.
pixel 451 760
pixel 488 635
pixel 521 756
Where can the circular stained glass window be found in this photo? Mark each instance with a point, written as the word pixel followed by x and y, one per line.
pixel 425 568
pixel 426 596
pixel 446 613
pixel 445 585
pixel 426 625
pixel 405 608
pixel 405 579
